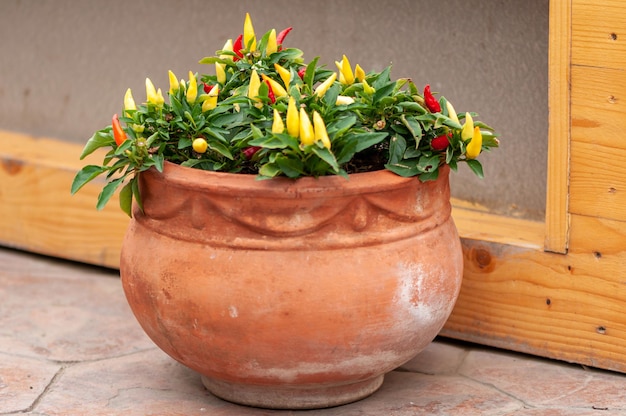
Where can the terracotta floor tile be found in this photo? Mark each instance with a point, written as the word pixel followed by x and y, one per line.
pixel 437 358
pixel 539 382
pixel 22 381
pixel 566 411
pixel 143 383
pixel 64 313
pixel 408 394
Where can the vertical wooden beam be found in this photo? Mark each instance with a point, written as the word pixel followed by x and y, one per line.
pixel 559 74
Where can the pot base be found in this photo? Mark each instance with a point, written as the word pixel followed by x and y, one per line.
pixel 276 397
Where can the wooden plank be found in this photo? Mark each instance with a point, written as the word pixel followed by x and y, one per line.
pixel 598 33
pixel 557 219
pixel 598 181
pixel 37 212
pixel 567 307
pixel 599 106
pixel 477 223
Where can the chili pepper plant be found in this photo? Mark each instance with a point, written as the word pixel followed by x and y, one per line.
pixel 266 112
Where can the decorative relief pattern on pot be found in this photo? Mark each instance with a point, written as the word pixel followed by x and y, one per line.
pixel 305 216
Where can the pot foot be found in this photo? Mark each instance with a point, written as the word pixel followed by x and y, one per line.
pixel 292 397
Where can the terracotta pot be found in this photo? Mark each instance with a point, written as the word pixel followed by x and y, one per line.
pixel 291 294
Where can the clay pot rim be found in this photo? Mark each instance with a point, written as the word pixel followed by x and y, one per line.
pixel 224 182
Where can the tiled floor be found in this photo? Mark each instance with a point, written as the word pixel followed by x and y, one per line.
pixel 69 345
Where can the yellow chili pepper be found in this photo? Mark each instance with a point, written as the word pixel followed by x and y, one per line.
pixel 324 86
pixel 277 125
pixel 284 73
pixel 367 88
pixel 153 96
pixel 468 128
pixel 174 85
pixel 228 46
pixel 129 102
pixel 344 100
pixel 474 147
pixel 220 71
pixel 192 89
pixel 253 88
pixel 272 46
pixel 307 134
pixel 452 112
pixel 210 101
pixel 278 90
pixel 359 73
pixel 293 119
pixel 320 130
pixel 248 34
pixel 346 76
pixel 200 145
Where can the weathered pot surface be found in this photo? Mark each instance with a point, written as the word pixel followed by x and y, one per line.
pixel 291 294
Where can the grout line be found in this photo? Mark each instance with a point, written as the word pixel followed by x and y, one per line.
pixel 39 398
pixel 95 360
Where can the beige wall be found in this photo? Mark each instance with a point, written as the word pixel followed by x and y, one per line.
pixel 65 64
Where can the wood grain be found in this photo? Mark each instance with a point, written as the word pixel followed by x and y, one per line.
pixel 599 33
pixel 599 106
pixel 557 217
pixel 568 307
pixel 598 181
pixel 37 212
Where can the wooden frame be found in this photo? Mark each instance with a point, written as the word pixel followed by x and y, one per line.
pixel 555 289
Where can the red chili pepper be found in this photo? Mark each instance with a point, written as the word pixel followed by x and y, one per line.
pixel 207 88
pixel 431 101
pixel 118 132
pixel 237 47
pixel 440 142
pixel 301 72
pixel 281 37
pixel 250 151
pixel 270 92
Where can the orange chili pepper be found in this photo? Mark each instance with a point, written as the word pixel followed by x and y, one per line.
pixel 118 132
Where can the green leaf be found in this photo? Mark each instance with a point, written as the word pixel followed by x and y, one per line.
pixel 107 192
pixel 428 163
pixel 331 95
pixel 269 170
pixel 413 107
pixel 414 127
pixel 101 138
pixel 382 79
pixel 158 161
pixel 256 132
pixel 135 187
pixel 327 156
pixel 309 74
pixel 126 199
pixel 85 175
pixel 397 147
pixel 406 169
pixel 365 140
pixel 476 167
pixel 277 141
pixel 429 176
pixel 383 91
pixel 346 153
pixel 292 168
pixel 215 59
pixel 221 149
pixel 340 126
